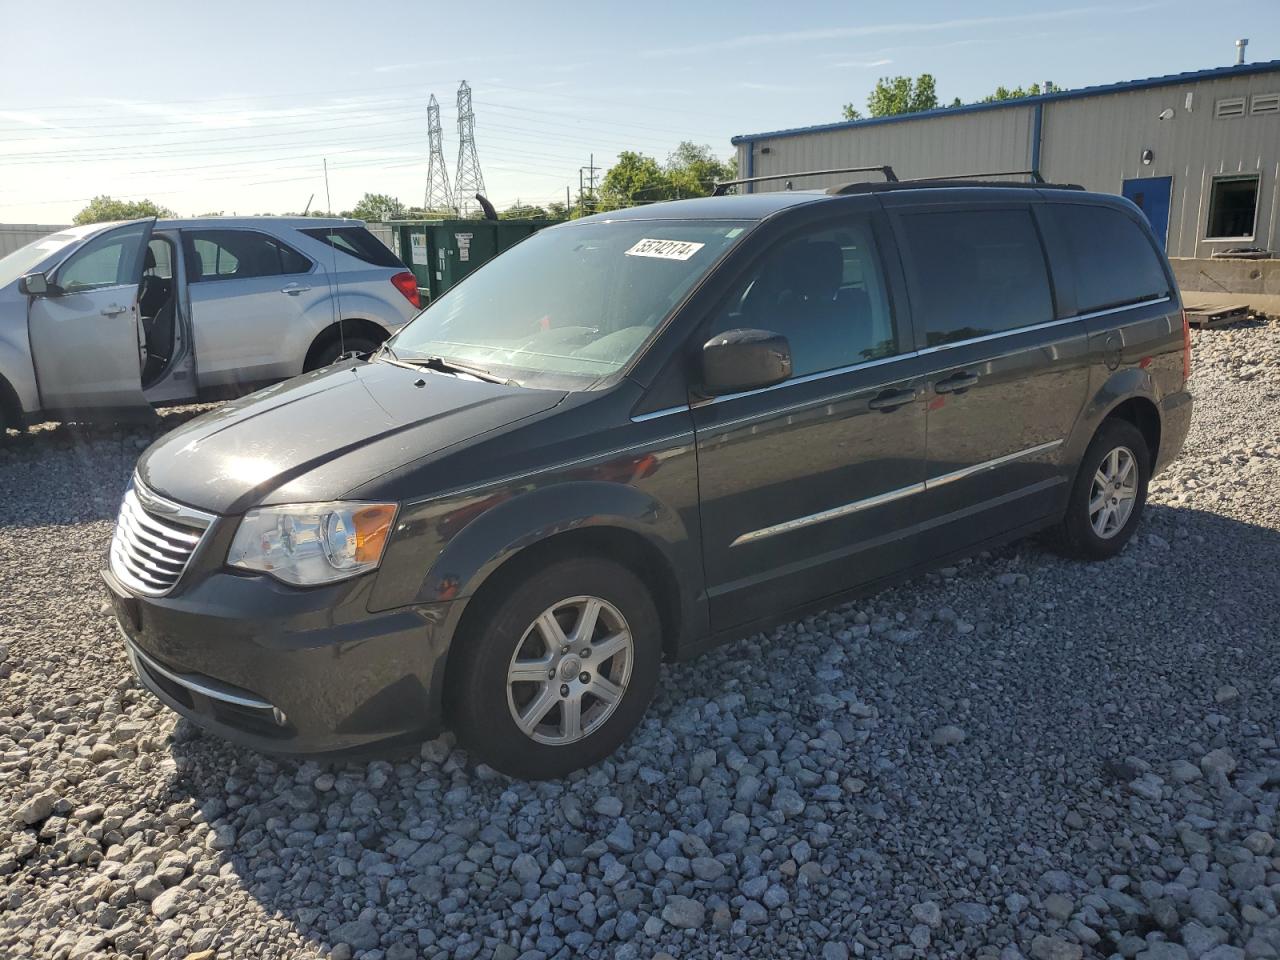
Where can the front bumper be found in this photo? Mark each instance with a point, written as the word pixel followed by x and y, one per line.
pixel 289 671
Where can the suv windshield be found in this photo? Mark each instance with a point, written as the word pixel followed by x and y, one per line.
pixel 572 303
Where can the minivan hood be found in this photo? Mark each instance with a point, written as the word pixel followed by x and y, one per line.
pixel 370 417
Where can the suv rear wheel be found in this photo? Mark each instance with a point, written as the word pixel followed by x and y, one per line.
pixel 560 672
pixel 345 349
pixel 1109 494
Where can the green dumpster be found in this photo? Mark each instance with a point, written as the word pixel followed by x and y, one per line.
pixel 442 252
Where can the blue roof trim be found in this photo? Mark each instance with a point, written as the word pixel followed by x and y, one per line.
pixel 1168 80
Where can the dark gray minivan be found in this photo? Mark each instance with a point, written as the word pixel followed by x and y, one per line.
pixel 635 435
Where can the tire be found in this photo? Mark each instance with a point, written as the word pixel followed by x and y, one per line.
pixel 484 705
pixel 1102 533
pixel 343 349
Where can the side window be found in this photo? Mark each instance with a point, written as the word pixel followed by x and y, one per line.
pixel 110 260
pixel 976 272
pixel 240 254
pixel 1115 263
pixel 159 263
pixel 824 291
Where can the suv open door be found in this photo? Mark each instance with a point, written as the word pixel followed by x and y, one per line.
pixel 85 339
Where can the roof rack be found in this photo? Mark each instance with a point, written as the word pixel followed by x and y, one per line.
pixel 722 186
pixel 958 180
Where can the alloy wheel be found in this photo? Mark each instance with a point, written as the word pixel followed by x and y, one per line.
pixel 570 670
pixel 1114 492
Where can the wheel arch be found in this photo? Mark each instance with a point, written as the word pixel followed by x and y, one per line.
pixel 348 327
pixel 11 414
pixel 1129 394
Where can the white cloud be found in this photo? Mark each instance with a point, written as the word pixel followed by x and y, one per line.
pixel 881 29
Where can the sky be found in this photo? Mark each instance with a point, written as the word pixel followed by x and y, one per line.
pixel 233 107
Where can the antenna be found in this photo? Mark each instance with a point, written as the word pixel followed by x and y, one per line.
pixel 438 195
pixel 333 277
pixel 308 206
pixel 468 180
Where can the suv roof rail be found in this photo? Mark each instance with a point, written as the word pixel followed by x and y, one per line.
pixel 722 186
pixel 958 180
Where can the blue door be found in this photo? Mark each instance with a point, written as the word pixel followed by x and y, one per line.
pixel 1151 194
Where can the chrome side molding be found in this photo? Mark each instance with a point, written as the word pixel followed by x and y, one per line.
pixel 880 499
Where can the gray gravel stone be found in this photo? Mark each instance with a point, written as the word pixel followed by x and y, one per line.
pixel 786 784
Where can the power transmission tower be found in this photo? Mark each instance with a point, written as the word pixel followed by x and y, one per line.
pixel 468 180
pixel 438 196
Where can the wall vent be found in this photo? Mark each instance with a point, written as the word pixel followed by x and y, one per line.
pixel 1231 107
pixel 1265 103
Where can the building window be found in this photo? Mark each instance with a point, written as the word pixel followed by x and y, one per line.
pixel 1233 204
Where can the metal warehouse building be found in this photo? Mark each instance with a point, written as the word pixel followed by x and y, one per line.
pixel 1199 152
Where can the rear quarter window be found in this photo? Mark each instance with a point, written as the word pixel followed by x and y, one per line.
pixel 1114 260
pixel 357 242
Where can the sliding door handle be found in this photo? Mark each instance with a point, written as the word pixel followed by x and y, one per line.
pixel 889 400
pixel 957 383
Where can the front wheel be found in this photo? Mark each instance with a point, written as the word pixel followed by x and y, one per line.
pixel 1109 494
pixel 560 672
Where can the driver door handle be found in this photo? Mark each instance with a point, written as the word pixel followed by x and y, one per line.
pixel 956 383
pixel 294 289
pixel 112 311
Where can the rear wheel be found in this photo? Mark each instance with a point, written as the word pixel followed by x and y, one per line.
pixel 560 672
pixel 345 349
pixel 1109 493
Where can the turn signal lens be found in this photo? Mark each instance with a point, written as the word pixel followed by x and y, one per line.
pixel 373 525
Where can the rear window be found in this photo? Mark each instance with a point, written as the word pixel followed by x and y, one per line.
pixel 358 242
pixel 1115 262
pixel 976 272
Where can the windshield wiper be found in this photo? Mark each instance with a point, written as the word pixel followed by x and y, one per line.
pixel 443 365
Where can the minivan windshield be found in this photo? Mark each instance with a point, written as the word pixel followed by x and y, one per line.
pixel 571 304
pixel 25 259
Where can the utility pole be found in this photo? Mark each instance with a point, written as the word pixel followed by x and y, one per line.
pixel 587 185
pixel 468 179
pixel 438 195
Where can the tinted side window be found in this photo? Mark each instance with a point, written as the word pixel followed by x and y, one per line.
pixel 976 272
pixel 358 242
pixel 239 254
pixel 1114 260
pixel 824 291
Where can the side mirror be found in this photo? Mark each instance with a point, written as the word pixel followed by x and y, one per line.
pixel 738 360
pixel 34 285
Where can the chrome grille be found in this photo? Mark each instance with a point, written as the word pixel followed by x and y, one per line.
pixel 154 541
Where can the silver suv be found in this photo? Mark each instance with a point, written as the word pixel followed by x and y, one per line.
pixel 101 320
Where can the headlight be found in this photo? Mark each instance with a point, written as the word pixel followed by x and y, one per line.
pixel 312 543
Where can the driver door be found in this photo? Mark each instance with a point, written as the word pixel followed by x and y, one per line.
pixel 84 333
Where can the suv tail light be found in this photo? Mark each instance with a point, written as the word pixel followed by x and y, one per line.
pixel 407 284
pixel 1186 348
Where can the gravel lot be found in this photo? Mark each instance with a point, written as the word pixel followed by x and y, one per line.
pixel 1015 757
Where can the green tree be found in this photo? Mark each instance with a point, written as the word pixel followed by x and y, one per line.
pixel 103 208
pixel 377 206
pixel 635 178
pixel 693 169
pixel 522 211
pixel 1004 93
pixel 557 210
pixel 897 95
